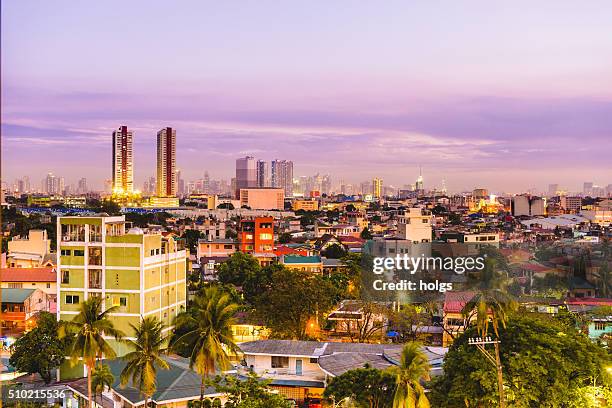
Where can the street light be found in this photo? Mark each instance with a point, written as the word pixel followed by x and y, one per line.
pixel 480 343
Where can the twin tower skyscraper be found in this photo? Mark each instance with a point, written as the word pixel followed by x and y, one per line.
pixel 123 162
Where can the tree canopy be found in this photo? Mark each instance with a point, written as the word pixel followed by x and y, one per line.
pixel 546 363
pixel 366 387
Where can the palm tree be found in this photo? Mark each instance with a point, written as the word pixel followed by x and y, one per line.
pixel 86 332
pixel 605 279
pixel 208 332
pixel 490 299
pixel 413 368
pixel 101 377
pixel 142 363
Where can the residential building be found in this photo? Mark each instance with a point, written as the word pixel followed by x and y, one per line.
pixel 300 370
pixel 526 205
pixel 262 198
pixel 19 307
pixel 263 174
pixel 311 264
pixel 144 274
pixel 338 230
pixel 256 235
pixel 123 161
pixel 246 174
pixel 571 204
pixel 414 224
pixel 216 247
pixel 166 162
pixel 282 176
pixel 44 279
pixel 377 188
pixel 30 251
pixel 176 387
pixel 305 205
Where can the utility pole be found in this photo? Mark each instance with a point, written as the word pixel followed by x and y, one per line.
pixel 495 360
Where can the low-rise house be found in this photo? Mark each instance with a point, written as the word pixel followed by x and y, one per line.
pixel 176 387
pixel 30 251
pixel 19 307
pixel 44 279
pixel 311 264
pixel 216 247
pixel 302 369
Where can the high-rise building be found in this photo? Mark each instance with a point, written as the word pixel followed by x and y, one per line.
pixel 527 205
pixel 123 161
pixel 587 188
pixel 206 183
pixel 414 224
pixel 166 162
pixel 419 185
pixel 282 176
pixel 82 186
pixel 553 189
pixel 143 274
pixel 51 185
pixel 377 187
pixel 246 174
pixel 263 174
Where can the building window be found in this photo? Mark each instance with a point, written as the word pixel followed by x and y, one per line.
pixel 72 299
pixel 65 276
pixel 95 279
pixel 228 246
pixel 424 220
pixel 79 252
pixel 48 285
pixel 265 236
pixel 280 362
pixel 600 326
pixel 65 252
pixel 314 360
pixel 15 285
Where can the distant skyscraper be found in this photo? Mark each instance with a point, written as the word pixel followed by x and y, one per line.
pixel 587 188
pixel 377 187
pixel 180 184
pixel 552 189
pixel 419 186
pixel 50 184
pixel 282 176
pixel 206 183
pixel 166 162
pixel 246 174
pixel 263 174
pixel 123 161
pixel 82 186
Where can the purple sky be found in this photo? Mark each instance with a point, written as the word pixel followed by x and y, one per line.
pixel 508 97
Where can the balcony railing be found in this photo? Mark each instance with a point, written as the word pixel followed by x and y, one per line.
pixel 283 372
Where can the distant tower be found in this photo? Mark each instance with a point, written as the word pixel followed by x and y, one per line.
pixel 123 164
pixel 166 162
pixel 419 183
pixel 377 187
pixel 282 176
pixel 246 174
pixel 263 174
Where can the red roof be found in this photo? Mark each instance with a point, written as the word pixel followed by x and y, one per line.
pixel 534 267
pixel 28 275
pixel 455 301
pixel 285 250
pixel 589 301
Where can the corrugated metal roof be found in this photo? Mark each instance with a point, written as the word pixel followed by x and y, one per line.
pixel 15 295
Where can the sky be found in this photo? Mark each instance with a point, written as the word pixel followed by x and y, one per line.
pixel 509 96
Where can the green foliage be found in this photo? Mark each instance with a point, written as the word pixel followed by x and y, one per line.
pixel 101 377
pixel 243 270
pixel 39 350
pixel 284 238
pixel 491 301
pixel 207 328
pixel 251 392
pixel 366 234
pixel 145 219
pixel 191 239
pixel 291 299
pixel 104 206
pixel 412 371
pixel 334 251
pixel 366 387
pixel 145 358
pixel 85 333
pixel 545 364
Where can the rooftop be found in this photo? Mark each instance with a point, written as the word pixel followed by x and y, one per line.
pixel 15 295
pixel 299 259
pixel 28 275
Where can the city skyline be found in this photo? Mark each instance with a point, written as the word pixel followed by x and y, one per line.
pixel 524 107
